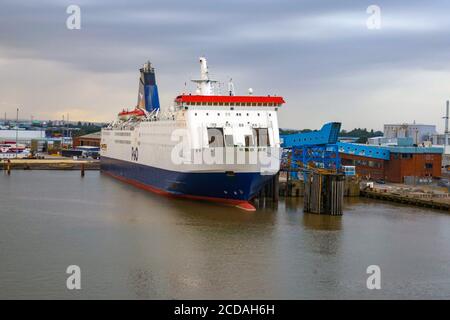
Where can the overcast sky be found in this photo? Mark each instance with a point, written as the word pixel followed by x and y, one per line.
pixel 319 55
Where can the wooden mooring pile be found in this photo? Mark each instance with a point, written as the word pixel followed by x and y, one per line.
pixel 271 189
pixel 324 193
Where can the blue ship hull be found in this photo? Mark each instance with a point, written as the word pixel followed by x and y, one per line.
pixel 234 188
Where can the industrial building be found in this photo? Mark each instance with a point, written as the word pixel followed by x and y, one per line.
pixel 418 132
pixel 92 140
pixel 439 139
pixel 401 163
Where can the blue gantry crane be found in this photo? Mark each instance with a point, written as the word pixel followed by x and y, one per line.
pixel 308 151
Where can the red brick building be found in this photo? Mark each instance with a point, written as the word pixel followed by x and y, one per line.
pixel 403 165
pixel 92 139
pixel 365 166
pixel 393 163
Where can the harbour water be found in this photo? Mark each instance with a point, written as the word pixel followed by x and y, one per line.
pixel 132 244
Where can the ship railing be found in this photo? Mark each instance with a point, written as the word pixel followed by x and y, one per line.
pixel 151 116
pixel 157 115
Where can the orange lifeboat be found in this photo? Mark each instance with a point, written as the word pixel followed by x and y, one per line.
pixel 136 113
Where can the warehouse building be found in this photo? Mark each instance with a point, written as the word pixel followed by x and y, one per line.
pixel 401 163
pixel 91 140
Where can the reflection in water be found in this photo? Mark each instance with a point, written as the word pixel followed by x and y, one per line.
pixel 292 204
pixel 132 244
pixel 141 282
pixel 220 247
pixel 265 204
pixel 322 222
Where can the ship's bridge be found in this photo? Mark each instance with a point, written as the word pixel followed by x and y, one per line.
pixel 231 121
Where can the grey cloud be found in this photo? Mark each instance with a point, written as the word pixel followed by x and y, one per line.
pixel 280 47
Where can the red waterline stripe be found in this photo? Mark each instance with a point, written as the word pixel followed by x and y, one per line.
pixel 244 205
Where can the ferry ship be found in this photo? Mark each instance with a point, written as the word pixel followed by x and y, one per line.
pixel 206 146
pixel 11 150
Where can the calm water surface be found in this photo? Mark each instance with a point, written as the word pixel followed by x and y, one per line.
pixel 135 245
